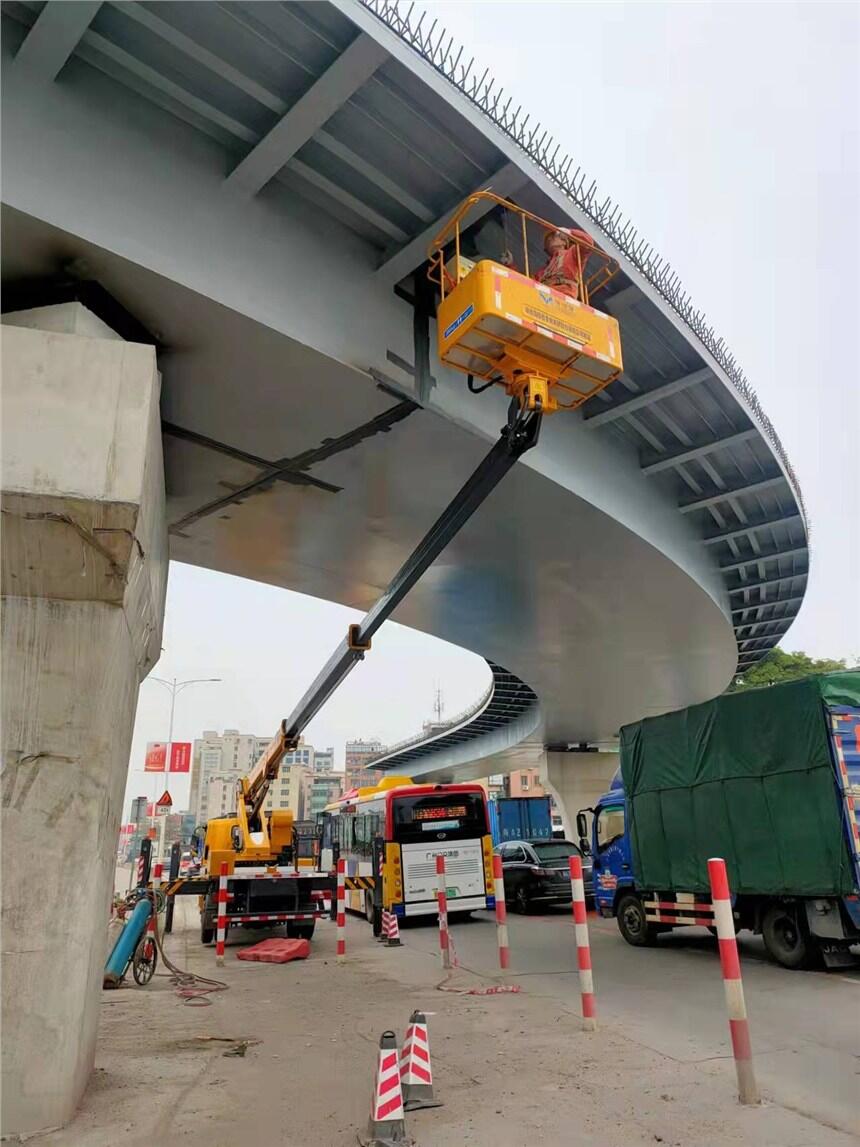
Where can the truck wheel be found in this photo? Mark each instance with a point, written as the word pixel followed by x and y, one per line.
pixel 787 938
pixel 207 934
pixel 632 923
pixel 300 929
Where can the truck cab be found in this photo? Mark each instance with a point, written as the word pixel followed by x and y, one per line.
pixel 609 846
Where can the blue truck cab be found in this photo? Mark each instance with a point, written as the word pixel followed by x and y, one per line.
pixel 794 870
pixel 610 847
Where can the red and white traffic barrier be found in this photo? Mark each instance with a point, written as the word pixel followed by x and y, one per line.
pixel 416 1073
pixel 387 1124
pixel 501 914
pixel 221 921
pixel 390 928
pixel 156 886
pixel 442 897
pixel 341 911
pixel 274 916
pixel 734 988
pixel 680 908
pixel 583 948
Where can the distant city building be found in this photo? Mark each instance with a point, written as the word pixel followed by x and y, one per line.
pixel 357 756
pixel 494 786
pixel 227 756
pixel 127 835
pixel 325 788
pixel 138 810
pixel 220 759
pixel 324 760
pixel 525 783
pixel 167 829
pixel 290 790
pixel 303 754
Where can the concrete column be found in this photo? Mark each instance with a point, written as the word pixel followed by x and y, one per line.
pixel 84 571
pixel 576 780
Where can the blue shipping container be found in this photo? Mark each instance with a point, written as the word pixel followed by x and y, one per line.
pixel 520 818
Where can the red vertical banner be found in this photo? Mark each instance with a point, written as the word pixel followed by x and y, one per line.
pixel 180 757
pixel 156 757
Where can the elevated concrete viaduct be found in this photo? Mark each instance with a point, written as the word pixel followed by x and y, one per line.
pixel 236 200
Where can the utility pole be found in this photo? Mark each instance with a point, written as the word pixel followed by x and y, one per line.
pixel 438 705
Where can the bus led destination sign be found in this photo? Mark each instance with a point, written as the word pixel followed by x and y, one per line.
pixel 443 812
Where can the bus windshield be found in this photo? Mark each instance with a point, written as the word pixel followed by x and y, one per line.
pixel 439 816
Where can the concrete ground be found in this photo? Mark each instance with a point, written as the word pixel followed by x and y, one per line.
pixel 511 1069
pixel 805 1026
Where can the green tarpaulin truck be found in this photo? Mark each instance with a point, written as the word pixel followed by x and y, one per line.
pixel 768 779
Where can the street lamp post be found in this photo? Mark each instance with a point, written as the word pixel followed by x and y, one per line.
pixel 175 686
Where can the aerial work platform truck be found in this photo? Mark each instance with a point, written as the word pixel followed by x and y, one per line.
pixel 549 349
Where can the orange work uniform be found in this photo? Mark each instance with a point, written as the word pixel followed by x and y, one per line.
pixel 562 269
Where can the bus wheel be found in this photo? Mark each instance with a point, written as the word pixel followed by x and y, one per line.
pixel 632 923
pixel 373 914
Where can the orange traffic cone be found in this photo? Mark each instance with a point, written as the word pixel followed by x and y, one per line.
pixel 387 1125
pixel 416 1075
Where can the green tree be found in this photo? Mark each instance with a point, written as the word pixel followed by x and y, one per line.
pixel 777 666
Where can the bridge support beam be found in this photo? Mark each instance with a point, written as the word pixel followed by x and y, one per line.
pixel 576 780
pixel 84 570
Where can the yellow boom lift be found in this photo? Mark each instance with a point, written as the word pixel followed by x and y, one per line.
pixel 498 324
pixel 548 351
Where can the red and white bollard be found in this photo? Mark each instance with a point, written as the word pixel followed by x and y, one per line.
pixel 734 988
pixel 221 921
pixel 583 948
pixel 442 896
pixel 341 911
pixel 156 885
pixel 501 914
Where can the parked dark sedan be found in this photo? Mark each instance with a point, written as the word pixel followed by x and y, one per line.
pixel 536 872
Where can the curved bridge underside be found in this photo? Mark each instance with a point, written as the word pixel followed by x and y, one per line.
pixel 505 715
pixel 253 187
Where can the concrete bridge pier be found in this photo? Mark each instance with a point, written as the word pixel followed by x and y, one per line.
pixel 84 572
pixel 576 780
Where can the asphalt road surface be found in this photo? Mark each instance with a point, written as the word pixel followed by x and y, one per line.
pixel 805 1026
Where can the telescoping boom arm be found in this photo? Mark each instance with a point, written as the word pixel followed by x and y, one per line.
pixel 516 437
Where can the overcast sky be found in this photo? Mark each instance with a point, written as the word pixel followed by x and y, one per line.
pixel 730 135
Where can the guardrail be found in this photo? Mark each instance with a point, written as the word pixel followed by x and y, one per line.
pixel 440 729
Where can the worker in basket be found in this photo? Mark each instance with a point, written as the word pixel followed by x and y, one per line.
pixel 565 261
